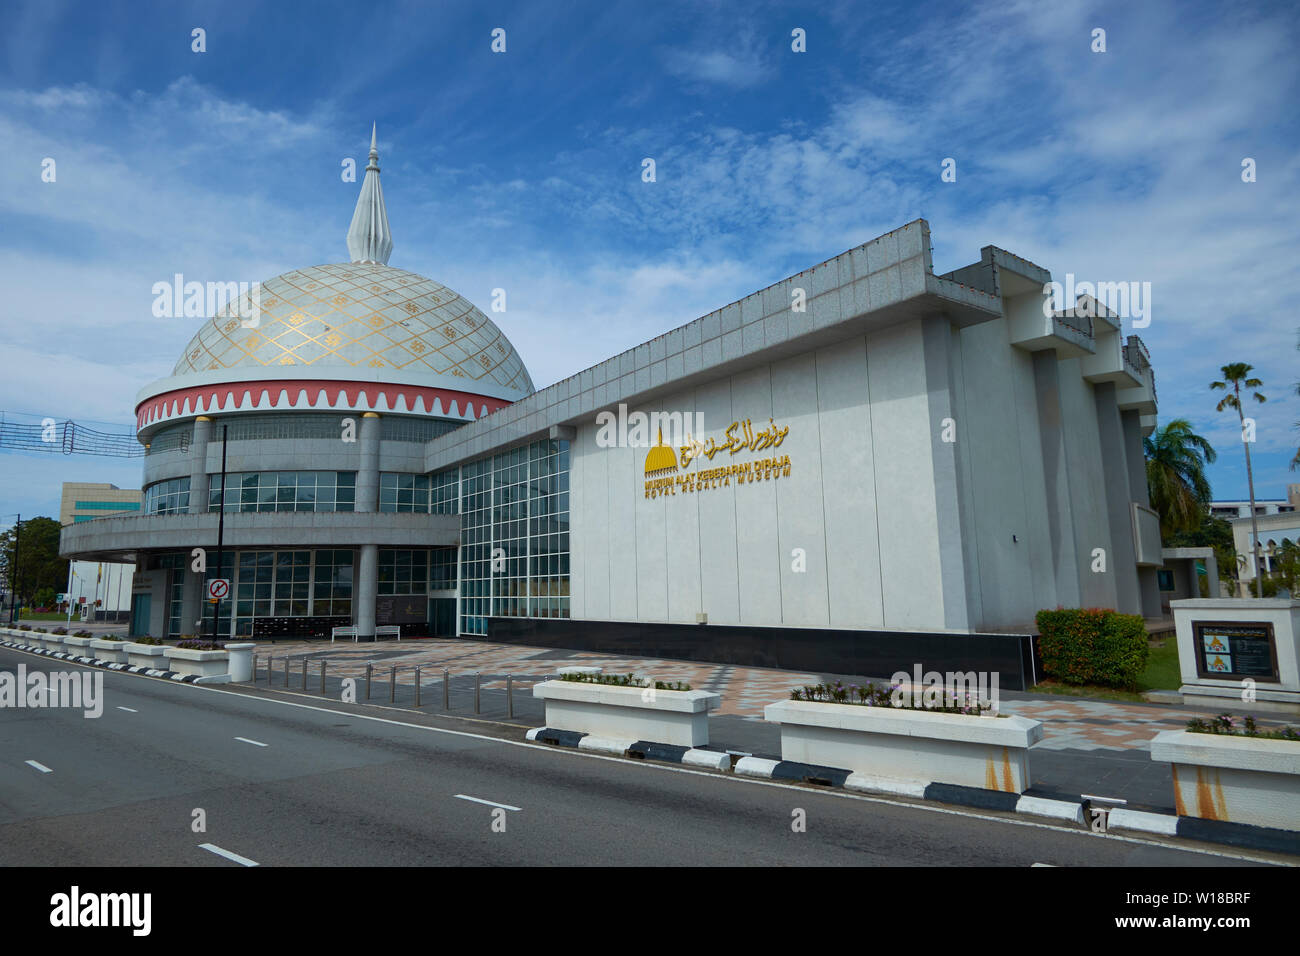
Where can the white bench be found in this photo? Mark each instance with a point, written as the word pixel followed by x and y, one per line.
pixel 384 630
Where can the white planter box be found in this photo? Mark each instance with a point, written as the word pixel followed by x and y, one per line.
pixel 148 655
pixel 79 646
pixel 679 717
pixel 112 651
pixel 911 745
pixel 51 642
pixel 1239 779
pixel 199 663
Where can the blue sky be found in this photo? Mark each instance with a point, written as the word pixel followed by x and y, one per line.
pixel 521 170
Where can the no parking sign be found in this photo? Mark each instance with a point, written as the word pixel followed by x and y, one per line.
pixel 218 589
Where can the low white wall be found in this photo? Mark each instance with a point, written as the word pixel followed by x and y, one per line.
pixel 602 710
pixel 911 745
pixel 1238 779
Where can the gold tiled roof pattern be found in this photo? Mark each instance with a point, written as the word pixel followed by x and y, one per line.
pixel 359 315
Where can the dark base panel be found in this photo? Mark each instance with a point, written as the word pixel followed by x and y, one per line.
pixel 864 653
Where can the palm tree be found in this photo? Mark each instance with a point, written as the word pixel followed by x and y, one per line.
pixel 1176 459
pixel 1235 375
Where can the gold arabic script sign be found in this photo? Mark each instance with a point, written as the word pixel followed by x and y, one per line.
pixel 662 469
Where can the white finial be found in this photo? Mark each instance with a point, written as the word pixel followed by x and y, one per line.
pixel 369 238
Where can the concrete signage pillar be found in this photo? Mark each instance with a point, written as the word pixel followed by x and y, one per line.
pixel 367 590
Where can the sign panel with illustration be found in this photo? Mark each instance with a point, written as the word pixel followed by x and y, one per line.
pixel 1233 651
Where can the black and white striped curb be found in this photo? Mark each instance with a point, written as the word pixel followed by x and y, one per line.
pixel 1243 835
pixel 976 797
pixel 114 666
pixel 627 747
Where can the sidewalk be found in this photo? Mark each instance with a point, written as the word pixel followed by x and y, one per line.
pixel 1101 748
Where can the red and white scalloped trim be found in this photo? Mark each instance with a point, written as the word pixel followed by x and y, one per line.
pixel 316 394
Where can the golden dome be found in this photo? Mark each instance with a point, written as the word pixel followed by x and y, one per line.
pixel 358 315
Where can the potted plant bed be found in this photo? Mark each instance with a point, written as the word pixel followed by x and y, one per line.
pixel 915 745
pixel 199 658
pixel 80 646
pixel 109 649
pixel 1221 774
pixel 622 707
pixel 148 652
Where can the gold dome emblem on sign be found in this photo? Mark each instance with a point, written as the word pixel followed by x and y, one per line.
pixel 661 459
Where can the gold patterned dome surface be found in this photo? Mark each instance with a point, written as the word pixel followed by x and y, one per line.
pixel 358 316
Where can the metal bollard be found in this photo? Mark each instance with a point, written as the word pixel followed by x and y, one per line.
pixel 286 672
pixel 446 690
pixel 476 707
pixel 369 667
pixel 270 663
pixel 510 696
pixel 322 677
pixel 392 684
pixel 254 668
pixel 417 685
pixel 304 673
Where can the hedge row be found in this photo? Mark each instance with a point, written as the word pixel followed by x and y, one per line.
pixel 1093 646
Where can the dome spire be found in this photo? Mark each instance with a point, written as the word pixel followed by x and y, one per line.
pixel 369 238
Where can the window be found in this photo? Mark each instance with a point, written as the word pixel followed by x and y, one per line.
pixel 514 551
pixel 284 491
pixel 1166 580
pixel 403 493
pixel 168 497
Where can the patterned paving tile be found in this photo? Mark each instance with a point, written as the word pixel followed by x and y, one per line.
pixel 1067 724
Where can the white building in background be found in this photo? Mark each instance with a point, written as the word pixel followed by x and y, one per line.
pixel 102 586
pixel 1277 528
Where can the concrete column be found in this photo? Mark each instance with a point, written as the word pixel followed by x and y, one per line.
pixel 954 523
pixel 1114 464
pixel 366 590
pixel 367 583
pixel 199 465
pixel 1056 472
pixel 193 607
pixel 368 466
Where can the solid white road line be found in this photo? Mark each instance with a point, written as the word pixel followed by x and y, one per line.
pixel 745 781
pixel 255 743
pixel 490 803
pixel 241 860
pixel 39 766
pixel 129 710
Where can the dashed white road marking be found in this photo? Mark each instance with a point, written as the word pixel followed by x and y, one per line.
pixel 255 743
pixel 241 860
pixel 39 766
pixel 490 803
pixel 129 710
pixel 1074 832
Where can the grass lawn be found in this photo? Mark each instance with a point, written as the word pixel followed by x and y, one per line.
pixel 48 616
pixel 1161 673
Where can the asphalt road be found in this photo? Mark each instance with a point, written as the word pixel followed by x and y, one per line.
pixel 314 784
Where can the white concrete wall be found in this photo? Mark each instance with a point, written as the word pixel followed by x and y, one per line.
pixel 1087 486
pixel 999 435
pixel 861 486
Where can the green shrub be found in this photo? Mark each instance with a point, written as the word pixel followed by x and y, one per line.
pixel 1093 646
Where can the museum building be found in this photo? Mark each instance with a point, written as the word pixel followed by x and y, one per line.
pixel 862 454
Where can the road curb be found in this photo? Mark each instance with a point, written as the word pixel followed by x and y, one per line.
pixel 627 747
pixel 111 665
pixel 1242 835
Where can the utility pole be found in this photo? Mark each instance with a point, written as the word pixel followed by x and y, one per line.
pixel 221 531
pixel 13 574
